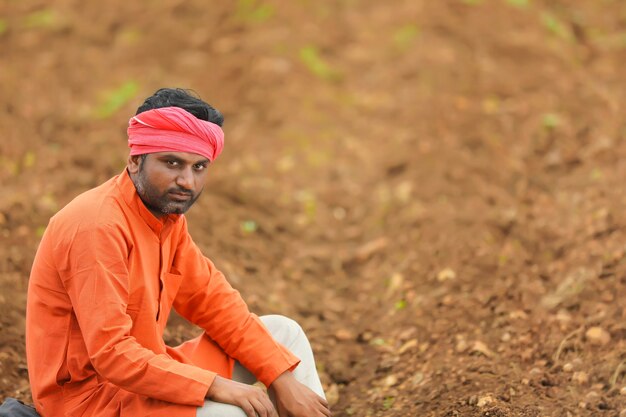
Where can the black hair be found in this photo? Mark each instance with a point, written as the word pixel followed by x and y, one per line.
pixel 185 99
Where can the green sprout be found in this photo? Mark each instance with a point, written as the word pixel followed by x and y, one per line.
pixel 404 36
pixel 40 231
pixel 596 174
pixel 388 402
pixel 41 19
pixel 29 159
pixel 310 57
pixel 518 3
pixel 252 11
pixel 248 226
pixel 115 99
pixel 378 341
pixel 555 26
pixel 550 121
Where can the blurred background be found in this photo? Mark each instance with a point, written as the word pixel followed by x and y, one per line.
pixel 433 189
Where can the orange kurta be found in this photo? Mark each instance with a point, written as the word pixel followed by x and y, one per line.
pixel 103 282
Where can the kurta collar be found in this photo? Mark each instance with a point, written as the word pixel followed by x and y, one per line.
pixel 130 196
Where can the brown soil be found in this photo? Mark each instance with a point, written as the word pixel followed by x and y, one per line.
pixel 434 189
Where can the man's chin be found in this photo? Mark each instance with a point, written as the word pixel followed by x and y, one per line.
pixel 176 208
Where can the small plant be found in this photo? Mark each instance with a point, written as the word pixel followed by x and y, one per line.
pixel 29 159
pixel 596 174
pixel 378 341
pixel 115 99
pixel 253 11
pixel 40 231
pixel 550 121
pixel 405 36
pixel 518 3
pixel 310 57
pixel 388 402
pixel 248 226
pixel 41 19
pixel 555 26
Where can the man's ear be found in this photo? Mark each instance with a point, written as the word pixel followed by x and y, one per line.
pixel 134 161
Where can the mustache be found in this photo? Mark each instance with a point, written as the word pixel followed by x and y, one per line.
pixel 180 190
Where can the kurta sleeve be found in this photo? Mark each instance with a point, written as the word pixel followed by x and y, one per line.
pixel 96 278
pixel 206 299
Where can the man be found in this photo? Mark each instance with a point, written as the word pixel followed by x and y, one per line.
pixel 113 263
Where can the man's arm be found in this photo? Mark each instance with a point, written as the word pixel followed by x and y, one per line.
pixel 208 300
pixel 97 282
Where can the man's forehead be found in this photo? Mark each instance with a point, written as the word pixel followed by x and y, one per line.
pixel 189 157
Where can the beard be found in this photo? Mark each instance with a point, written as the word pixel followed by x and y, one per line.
pixel 162 202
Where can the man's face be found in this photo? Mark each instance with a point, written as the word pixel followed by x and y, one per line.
pixel 168 182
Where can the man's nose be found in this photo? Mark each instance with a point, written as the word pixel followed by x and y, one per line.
pixel 185 179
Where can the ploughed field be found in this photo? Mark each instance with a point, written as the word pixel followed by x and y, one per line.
pixel 433 189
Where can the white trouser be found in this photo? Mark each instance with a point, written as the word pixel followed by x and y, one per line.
pixel 288 333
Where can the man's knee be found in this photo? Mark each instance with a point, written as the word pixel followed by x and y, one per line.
pixel 283 329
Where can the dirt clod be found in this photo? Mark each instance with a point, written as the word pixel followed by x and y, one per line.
pixel 598 336
pixel 484 400
pixel 580 378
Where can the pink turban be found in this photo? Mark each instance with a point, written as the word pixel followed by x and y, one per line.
pixel 172 129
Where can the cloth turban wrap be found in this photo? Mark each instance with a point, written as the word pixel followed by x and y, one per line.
pixel 172 129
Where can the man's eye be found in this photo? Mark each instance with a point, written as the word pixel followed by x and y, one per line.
pixel 199 167
pixel 172 163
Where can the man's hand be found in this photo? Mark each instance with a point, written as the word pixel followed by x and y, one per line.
pixel 294 399
pixel 252 400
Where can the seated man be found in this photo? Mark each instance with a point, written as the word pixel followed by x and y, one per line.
pixel 113 263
